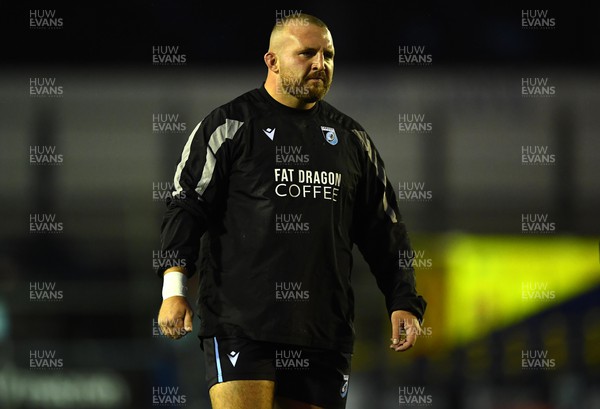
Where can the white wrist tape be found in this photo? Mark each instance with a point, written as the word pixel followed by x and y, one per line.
pixel 174 283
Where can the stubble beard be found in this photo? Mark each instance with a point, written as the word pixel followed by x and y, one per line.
pixel 304 89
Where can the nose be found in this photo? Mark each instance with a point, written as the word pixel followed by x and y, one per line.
pixel 318 62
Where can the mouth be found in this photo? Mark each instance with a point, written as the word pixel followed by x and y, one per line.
pixel 320 76
pixel 323 80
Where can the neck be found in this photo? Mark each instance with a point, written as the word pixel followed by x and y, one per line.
pixel 283 98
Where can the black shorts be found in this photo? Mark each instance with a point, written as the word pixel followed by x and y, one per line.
pixel 311 375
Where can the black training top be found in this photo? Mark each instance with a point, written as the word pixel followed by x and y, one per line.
pixel 267 204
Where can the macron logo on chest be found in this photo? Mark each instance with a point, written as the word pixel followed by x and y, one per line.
pixel 233 357
pixel 270 132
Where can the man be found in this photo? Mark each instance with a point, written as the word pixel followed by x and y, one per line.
pixel 270 298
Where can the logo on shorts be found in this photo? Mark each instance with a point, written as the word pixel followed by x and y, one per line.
pixel 233 357
pixel 329 135
pixel 344 388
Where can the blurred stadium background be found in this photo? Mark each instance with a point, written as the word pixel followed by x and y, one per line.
pixel 513 318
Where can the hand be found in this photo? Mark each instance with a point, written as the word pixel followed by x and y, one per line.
pixel 175 317
pixel 405 328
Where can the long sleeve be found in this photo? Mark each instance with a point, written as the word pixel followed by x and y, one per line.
pixel 381 235
pixel 200 183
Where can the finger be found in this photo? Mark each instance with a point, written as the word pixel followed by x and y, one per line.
pixel 411 329
pixel 172 328
pixel 163 326
pixel 395 333
pixel 404 345
pixel 188 318
pixel 177 329
pixel 167 330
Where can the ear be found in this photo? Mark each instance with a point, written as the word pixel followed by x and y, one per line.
pixel 272 62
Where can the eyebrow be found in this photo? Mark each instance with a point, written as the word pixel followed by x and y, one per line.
pixel 313 49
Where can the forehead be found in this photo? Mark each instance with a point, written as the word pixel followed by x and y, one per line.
pixel 309 36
